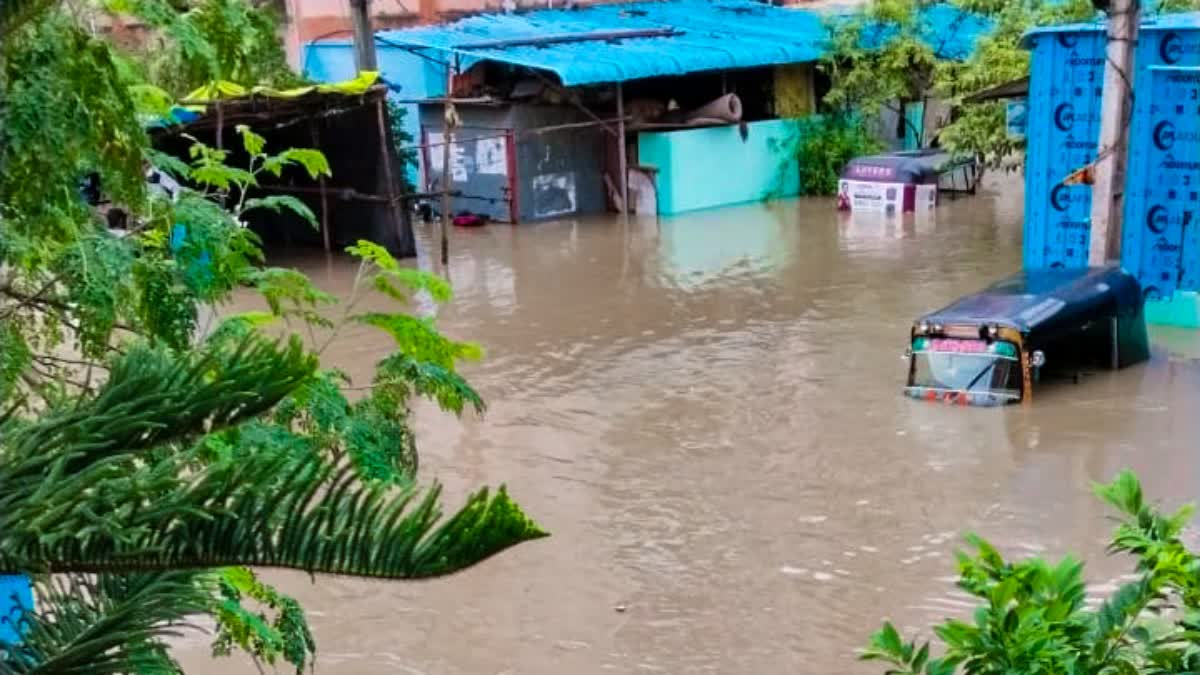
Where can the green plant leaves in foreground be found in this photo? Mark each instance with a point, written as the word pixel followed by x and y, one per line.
pixel 1033 617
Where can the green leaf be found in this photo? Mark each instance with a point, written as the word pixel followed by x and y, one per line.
pixel 277 203
pixel 313 161
pixel 252 142
pixel 15 358
pixel 919 660
pixel 1124 493
pixel 168 163
pixel 419 340
pixel 290 293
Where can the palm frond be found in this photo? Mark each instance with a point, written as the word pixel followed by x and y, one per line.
pixel 263 509
pixel 106 624
pixel 154 397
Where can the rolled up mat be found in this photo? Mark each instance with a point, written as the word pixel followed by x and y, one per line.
pixel 728 108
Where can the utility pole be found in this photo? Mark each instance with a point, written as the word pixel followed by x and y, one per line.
pixel 1108 184
pixel 364 36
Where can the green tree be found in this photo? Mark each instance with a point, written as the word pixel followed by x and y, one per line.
pixel 980 129
pixel 149 453
pixel 1033 617
pixel 877 61
pixel 205 41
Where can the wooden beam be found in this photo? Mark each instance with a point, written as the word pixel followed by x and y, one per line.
pixel 563 38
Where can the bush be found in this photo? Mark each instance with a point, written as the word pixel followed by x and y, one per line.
pixel 1033 617
pixel 823 145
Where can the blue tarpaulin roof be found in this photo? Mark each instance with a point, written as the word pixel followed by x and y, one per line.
pixel 679 37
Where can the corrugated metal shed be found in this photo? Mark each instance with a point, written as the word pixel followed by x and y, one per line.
pixel 692 36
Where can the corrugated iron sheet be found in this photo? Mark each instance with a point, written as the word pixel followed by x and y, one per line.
pixel 713 35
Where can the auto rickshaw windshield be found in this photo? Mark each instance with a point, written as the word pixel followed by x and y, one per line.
pixel 989 371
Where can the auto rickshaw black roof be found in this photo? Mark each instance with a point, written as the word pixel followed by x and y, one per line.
pixel 1043 302
pixel 920 167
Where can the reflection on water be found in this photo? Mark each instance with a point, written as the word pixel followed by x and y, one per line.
pixel 706 413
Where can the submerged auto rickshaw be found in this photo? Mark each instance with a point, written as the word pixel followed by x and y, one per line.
pixel 990 347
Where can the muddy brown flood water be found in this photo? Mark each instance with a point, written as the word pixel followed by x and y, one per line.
pixel 706 414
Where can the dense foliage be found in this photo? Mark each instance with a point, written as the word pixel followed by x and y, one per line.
pixel 152 444
pixel 1034 618
pixel 823 145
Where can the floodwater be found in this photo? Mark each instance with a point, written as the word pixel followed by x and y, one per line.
pixel 706 414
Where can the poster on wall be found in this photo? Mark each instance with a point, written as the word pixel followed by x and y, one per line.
pixel 553 194
pixel 458 164
pixel 490 157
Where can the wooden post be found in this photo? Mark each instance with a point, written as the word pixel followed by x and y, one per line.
pixel 1109 171
pixel 220 124
pixel 386 152
pixel 622 162
pixel 364 36
pixel 316 140
pixel 448 114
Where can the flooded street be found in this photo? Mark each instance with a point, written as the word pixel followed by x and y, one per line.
pixel 706 414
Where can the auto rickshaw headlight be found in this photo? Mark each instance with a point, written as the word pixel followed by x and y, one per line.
pixel 1037 359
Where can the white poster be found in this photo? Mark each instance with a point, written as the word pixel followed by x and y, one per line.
pixel 458 166
pixel 490 156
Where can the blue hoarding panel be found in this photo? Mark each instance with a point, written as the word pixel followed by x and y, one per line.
pixel 1160 242
pixel 1065 92
pixel 16 597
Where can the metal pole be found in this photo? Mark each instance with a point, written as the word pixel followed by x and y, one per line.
pixel 1109 171
pixel 364 36
pixel 621 159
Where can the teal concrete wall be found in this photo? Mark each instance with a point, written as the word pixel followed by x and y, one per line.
pixel 713 166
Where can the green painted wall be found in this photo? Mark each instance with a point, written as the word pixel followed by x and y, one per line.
pixel 713 166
